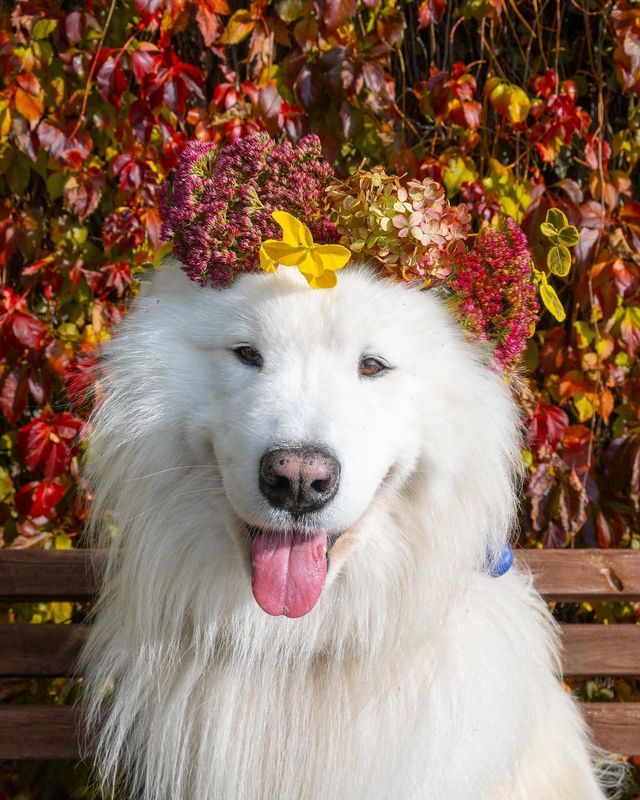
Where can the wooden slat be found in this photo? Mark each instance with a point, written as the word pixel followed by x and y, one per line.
pixel 49 732
pixel 45 575
pixel 575 575
pixel 563 575
pixel 40 650
pixel 51 650
pixel 38 732
pixel 590 650
pixel 615 726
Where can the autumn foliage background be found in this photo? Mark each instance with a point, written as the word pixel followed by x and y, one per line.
pixel 515 106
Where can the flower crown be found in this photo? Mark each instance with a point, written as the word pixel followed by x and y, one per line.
pixel 255 204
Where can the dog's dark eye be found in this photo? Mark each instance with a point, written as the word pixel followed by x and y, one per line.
pixel 248 355
pixel 369 367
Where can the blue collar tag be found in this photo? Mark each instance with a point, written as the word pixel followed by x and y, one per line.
pixel 502 564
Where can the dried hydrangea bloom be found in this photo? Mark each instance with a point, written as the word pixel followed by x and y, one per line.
pixel 217 211
pixel 410 229
pixel 495 293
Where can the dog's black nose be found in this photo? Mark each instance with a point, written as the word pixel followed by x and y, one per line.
pixel 300 479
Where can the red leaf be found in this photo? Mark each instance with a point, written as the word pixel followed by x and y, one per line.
pixel 430 11
pixel 597 152
pixel 309 85
pixel 141 120
pixel 337 13
pixel 145 62
pixel 630 214
pixel 48 442
pixel 225 95
pixel 117 276
pixel 122 230
pixel 575 447
pixel 151 218
pixel 110 77
pixel 173 82
pixel 80 380
pixel 209 21
pixel 82 193
pixel 269 101
pixel 547 427
pixel 27 330
pixel 72 151
pixel 13 395
pixel 39 498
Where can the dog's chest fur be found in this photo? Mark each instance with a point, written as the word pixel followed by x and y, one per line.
pixel 257 727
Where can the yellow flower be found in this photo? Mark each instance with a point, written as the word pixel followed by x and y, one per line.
pixel 317 262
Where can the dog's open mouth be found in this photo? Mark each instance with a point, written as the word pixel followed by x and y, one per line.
pixel 288 570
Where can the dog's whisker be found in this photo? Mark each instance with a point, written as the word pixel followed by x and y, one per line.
pixel 171 469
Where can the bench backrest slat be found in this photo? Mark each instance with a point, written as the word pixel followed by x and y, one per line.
pixel 52 650
pixel 50 732
pixel 564 575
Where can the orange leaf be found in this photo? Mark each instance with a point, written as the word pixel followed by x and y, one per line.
pixel 607 403
pixel 28 98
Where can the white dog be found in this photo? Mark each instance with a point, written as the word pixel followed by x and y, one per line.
pixel 349 456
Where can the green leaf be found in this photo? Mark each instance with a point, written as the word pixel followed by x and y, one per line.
pixel 585 334
pixel 569 236
pixel 18 173
pixel 290 10
pixel 557 218
pixel 551 300
pixel 457 171
pixel 6 486
pixel 55 185
pixel 43 51
pixel 559 260
pixel 43 28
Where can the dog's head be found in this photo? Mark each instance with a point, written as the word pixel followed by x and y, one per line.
pixel 304 411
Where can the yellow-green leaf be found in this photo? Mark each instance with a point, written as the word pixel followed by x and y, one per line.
pixel 165 249
pixel 68 332
pixel 569 236
pixel 238 28
pixel 559 260
pixel 552 301
pixel 43 28
pixel 584 406
pixel 457 171
pixel 557 218
pixel 546 229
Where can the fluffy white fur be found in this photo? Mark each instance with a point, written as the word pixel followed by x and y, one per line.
pixel 416 675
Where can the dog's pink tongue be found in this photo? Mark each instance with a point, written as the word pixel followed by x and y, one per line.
pixel 288 572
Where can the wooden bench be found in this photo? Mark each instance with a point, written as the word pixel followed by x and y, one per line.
pixel 49 731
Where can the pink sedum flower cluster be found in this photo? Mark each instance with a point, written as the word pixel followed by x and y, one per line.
pixel 495 292
pixel 218 210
